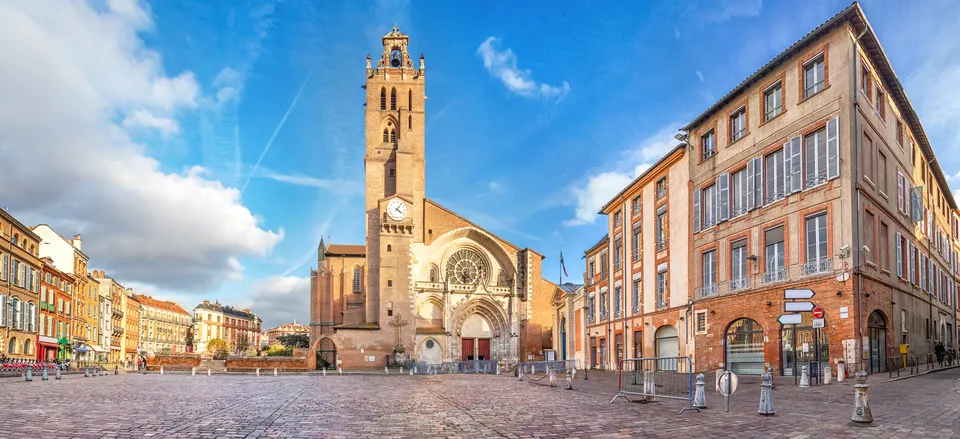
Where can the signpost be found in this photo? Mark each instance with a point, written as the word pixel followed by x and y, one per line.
pixel 798 306
pixel 726 386
pixel 818 312
pixel 798 294
pixel 798 301
pixel 818 323
pixel 790 319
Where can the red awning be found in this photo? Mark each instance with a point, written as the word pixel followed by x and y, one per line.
pixel 49 345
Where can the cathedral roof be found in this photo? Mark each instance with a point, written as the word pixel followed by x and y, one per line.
pixel 346 250
pixel 395 33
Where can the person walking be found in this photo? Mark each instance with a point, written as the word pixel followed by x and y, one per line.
pixel 940 351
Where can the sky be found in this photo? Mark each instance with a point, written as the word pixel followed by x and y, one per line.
pixel 202 148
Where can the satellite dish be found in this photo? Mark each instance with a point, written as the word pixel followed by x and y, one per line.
pixel 843 277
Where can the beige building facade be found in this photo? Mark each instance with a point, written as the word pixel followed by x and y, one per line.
pixel 20 270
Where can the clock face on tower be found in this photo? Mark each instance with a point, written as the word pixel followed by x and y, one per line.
pixel 396 209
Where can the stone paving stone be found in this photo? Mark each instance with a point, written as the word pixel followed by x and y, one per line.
pixel 453 406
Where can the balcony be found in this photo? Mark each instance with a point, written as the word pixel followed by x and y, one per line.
pixel 603 315
pixel 662 244
pixel 661 304
pixel 738 284
pixel 661 192
pixel 593 319
pixel 774 276
pixel 706 291
pixel 818 266
pixel 117 313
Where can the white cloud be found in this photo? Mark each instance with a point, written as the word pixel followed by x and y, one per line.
pixel 596 190
pixel 342 187
pixel 281 299
pixel 495 187
pixel 700 75
pixel 503 65
pixel 72 77
pixel 145 119
pixel 724 10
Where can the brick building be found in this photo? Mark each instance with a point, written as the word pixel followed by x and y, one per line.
pixel 131 326
pixel 239 328
pixel 270 337
pixel 429 284
pixel 163 326
pixel 55 322
pixel 19 288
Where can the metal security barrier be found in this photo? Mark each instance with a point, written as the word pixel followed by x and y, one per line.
pixel 472 366
pixel 659 377
pixel 535 367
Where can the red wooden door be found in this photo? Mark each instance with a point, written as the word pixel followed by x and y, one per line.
pixel 467 353
pixel 483 349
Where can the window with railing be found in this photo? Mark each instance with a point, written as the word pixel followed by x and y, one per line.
pixel 661 228
pixel 604 265
pixel 775 186
pixel 738 266
pixel 618 254
pixel 661 288
pixel 603 305
pixel 708 144
pixel 635 244
pixel 636 296
pixel 708 272
pixel 775 258
pixel 616 301
pixel 661 187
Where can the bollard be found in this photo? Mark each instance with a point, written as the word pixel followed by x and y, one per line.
pixel 161 370
pixel 193 371
pixel 861 407
pixel 520 372
pixel 573 372
pixel 569 383
pixel 45 376
pixel 700 396
pixel 841 372
pixel 208 371
pixel 58 373
pixel 804 377
pixel 766 395
pixel 144 369
pixel 401 369
pixel 553 377
pixel 116 370
pixel 411 372
pixel 649 384
pixel 385 369
pixel 258 371
pixel 532 370
pixel 340 371
pixel 86 371
pixel 29 373
pixel 324 372
pixel 498 368
pixel 826 375
pixel 585 374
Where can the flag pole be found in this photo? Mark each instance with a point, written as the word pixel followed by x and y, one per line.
pixel 561 266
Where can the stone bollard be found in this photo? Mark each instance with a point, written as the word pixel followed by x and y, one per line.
pixel 553 377
pixel 116 370
pixel 520 373
pixel 585 374
pixel 29 375
pixel 411 372
pixel 86 371
pixel 700 396
pixel 58 373
pixel 827 377
pixel 385 369
pixel 324 372
pixel 275 371
pixel 193 371
pixel 161 370
pixel 841 372
pixel 861 407
pixel 766 395
pixel 532 370
pixel 573 372
pixel 804 377
pixel 340 371
pixel 569 383
pixel 498 368
pixel 45 376
pixel 208 371
pixel 258 371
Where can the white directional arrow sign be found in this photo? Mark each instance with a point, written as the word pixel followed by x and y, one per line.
pixel 790 319
pixel 798 294
pixel 798 306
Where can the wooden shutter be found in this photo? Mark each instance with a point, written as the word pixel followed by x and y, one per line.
pixel 833 148
pixel 751 184
pixel 696 209
pixel 795 168
pixel 723 197
pixel 899 257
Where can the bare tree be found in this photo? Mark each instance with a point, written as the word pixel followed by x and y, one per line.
pixel 242 343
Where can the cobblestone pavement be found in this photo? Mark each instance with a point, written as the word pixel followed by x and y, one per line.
pixel 379 406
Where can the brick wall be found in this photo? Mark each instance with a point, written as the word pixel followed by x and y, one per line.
pixel 239 364
pixel 173 362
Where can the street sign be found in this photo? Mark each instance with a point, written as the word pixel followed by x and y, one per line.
pixel 727 384
pixel 797 306
pixel 818 312
pixel 818 323
pixel 790 319
pixel 798 294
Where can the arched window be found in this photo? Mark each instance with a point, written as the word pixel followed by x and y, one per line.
pixel 393 137
pixel 501 279
pixel 383 98
pixel 17 313
pixel 26 347
pixel 433 274
pixel 16 239
pixel 32 317
pixel 409 100
pixel 389 248
pixel 357 279
pixel 386 135
pixel 393 99
pixel 12 346
pixel 409 121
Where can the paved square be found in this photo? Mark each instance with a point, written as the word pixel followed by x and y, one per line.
pixel 378 406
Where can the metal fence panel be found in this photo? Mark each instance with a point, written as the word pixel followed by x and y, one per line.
pixel 657 377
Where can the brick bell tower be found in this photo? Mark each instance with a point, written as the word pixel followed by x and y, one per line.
pixel 394 165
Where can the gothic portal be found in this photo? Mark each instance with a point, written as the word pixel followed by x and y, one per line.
pixel 428 285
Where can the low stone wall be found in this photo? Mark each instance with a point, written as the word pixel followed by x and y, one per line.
pixel 173 362
pixel 244 364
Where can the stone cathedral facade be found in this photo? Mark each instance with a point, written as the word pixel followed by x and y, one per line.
pixel 428 285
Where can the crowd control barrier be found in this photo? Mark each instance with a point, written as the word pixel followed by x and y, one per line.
pixel 657 378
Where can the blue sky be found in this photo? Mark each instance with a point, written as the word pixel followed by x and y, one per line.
pixel 217 141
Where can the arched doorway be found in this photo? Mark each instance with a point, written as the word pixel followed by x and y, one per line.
pixel 563 339
pixel 877 327
pixel 430 352
pixel 743 350
pixel 667 342
pixel 327 354
pixel 475 336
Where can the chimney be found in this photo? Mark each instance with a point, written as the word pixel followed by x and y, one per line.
pixel 76 242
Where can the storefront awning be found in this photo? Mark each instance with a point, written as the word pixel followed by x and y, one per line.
pixel 64 341
pixel 81 349
pixel 97 349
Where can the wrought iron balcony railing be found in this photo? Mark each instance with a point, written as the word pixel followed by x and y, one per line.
pixel 706 291
pixel 740 283
pixel 817 266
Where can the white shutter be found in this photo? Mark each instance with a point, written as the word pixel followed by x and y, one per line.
pixel 911 260
pixel 833 148
pixel 916 203
pixel 696 209
pixel 900 191
pixel 923 272
pixel 930 278
pixel 794 171
pixel 787 175
pixel 751 184
pixel 758 182
pixel 899 257
pixel 723 197
pixel 3 310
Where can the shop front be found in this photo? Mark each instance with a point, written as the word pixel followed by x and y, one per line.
pixel 47 348
pixel 65 351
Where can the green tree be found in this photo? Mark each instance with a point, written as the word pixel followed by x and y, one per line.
pixel 279 351
pixel 217 345
pixel 295 340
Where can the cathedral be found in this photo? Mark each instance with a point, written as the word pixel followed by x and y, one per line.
pixel 428 285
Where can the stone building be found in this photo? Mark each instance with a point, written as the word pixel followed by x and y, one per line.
pixel 429 284
pixel 637 292
pixel 239 328
pixel 69 259
pixel 815 173
pixel 163 326
pixel 19 288
pixel 131 326
pixel 569 332
pixel 111 321
pixel 270 336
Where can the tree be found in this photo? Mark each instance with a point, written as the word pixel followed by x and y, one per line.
pixel 243 343
pixel 295 340
pixel 217 346
pixel 279 351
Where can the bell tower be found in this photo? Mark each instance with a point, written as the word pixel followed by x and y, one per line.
pixel 394 163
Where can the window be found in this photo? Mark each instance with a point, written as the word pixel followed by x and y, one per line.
pixel 636 295
pixel 661 232
pixel 357 279
pixel 738 260
pixel 409 99
pixel 592 271
pixel 661 187
pixel 867 157
pixel 899 132
pixel 817 237
pixel 738 193
pixel 881 101
pixel 708 144
pixel 884 248
pixel 775 178
pixel 616 301
pixel 383 98
pixel 813 76
pixel 661 286
pixel 409 122
pixel 635 205
pixel 709 268
pixel 701 321
pixel 815 155
pixel 774 249
pixel 773 101
pixel 386 135
pixel 393 136
pixel 901 186
pixel 617 219
pixel 603 304
pixel 593 309
pixel 882 172
pixel 709 199
pixel 393 99
pixel 738 124
pixel 393 172
pixel 618 254
pixel 865 80
pixel 868 236
pixel 604 265
pixel 635 245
